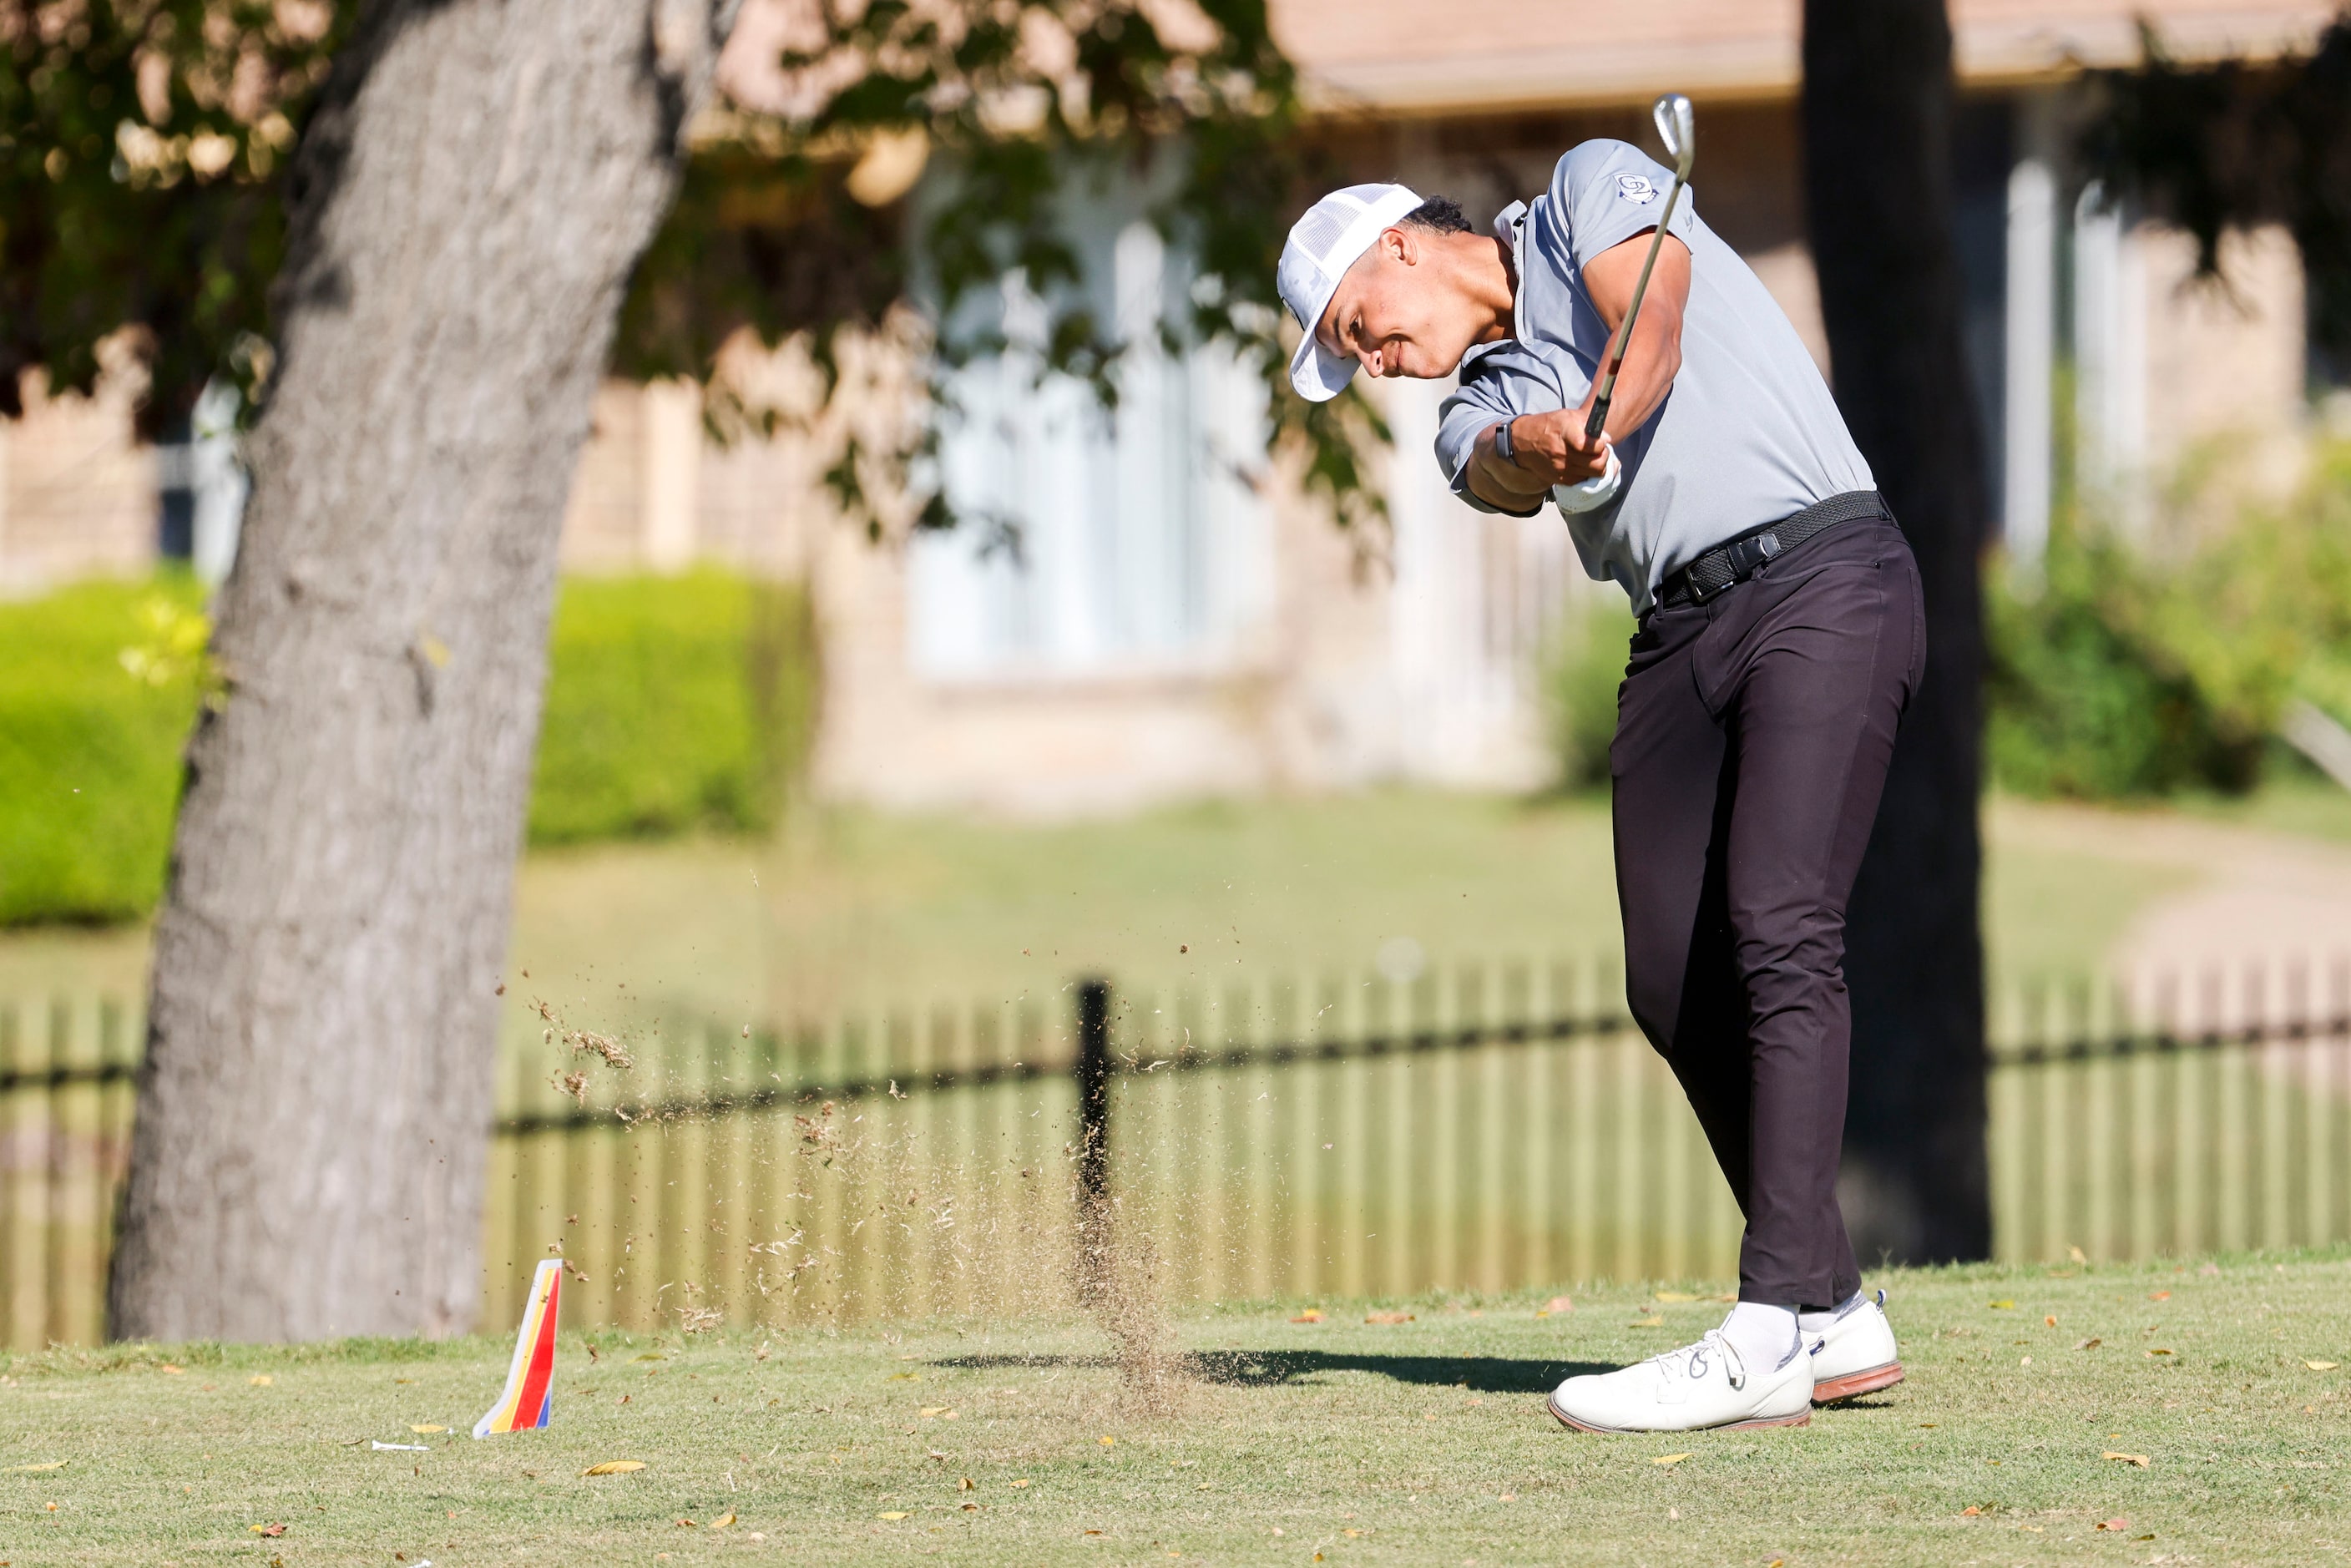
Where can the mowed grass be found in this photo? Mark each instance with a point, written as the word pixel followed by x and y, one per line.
pixel 855 910
pixel 1340 1441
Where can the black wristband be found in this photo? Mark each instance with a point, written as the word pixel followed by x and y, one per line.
pixel 1502 448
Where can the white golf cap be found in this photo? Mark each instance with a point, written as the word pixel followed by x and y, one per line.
pixel 1322 244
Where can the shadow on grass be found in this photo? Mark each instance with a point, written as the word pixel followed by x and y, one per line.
pixel 1273 1368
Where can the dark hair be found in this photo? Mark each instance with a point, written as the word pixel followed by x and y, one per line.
pixel 1438 214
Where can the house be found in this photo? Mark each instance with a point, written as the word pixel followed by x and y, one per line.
pixel 1176 622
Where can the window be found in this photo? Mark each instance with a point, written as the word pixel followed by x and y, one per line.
pixel 1096 541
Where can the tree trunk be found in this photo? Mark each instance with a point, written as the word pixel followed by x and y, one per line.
pixel 1877 132
pixel 315 1109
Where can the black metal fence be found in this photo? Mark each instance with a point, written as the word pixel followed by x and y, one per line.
pixel 1484 1128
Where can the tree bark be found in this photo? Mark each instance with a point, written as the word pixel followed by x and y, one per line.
pixel 1878 102
pixel 315 1108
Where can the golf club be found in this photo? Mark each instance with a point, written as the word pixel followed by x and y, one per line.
pixel 1678 127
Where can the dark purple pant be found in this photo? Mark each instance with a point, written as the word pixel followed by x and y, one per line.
pixel 1752 738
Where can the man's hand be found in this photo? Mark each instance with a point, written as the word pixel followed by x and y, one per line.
pixel 1547 449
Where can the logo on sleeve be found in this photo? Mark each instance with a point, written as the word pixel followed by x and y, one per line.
pixel 1638 189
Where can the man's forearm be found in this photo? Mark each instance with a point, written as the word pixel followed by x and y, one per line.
pixel 1652 361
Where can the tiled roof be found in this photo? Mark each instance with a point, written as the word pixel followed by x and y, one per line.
pixel 1410 56
pixel 1413 57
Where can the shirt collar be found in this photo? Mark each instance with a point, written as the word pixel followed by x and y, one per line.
pixel 1510 228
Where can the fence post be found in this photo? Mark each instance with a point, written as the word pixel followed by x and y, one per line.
pixel 1092 1075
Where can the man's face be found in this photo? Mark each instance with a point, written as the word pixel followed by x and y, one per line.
pixel 1401 311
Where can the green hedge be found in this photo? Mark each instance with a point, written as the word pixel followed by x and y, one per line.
pixel 674 704
pixel 2120 671
pixel 2116 671
pixel 89 752
pixel 1582 671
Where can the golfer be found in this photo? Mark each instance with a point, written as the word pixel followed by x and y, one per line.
pixel 1780 638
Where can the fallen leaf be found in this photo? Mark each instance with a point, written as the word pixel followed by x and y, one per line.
pixel 2114 1524
pixel 2322 1366
pixel 2051 1320
pixel 687 1524
pixel 1389 1317
pixel 935 1409
pixel 2093 1342
pixel 1676 1296
pixel 2003 1306
pixel 174 1371
pixel 272 1530
pixel 965 1484
pixel 1109 1442
pixel 2160 1296
pixel 895 1513
pixel 1669 1458
pixel 1646 1323
pixel 2138 1459
pixel 1556 1304
pixel 1020 1483
pixel 32 1470
pixel 261 1380
pixel 1971 1512
pixel 2158 1350
pixel 424 1430
pixel 614 1468
pixel 721 1522
pixel 1310 1315
pixel 2077 1254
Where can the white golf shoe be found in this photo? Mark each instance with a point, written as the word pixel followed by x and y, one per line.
pixel 1856 1354
pixel 1701 1386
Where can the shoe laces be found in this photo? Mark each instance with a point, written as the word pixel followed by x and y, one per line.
pixel 1695 1361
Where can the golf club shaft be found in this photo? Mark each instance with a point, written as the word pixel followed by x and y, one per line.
pixel 1607 387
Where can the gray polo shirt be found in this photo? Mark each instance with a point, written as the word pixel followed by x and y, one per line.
pixel 1748 434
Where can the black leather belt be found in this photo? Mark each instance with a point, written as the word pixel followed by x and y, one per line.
pixel 1734 560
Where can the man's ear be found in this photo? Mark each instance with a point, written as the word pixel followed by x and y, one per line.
pixel 1399 244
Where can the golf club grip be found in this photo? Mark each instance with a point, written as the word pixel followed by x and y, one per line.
pixel 1592 427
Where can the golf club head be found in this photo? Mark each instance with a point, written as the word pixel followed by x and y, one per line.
pixel 1678 128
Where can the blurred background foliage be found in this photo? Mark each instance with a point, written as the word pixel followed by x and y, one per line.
pixel 2237 144
pixel 144 149
pixel 1582 671
pixel 675 705
pixel 146 157
pixel 89 745
pixel 2120 671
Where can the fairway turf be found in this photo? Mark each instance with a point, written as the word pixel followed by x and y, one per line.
pixel 1422 1442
